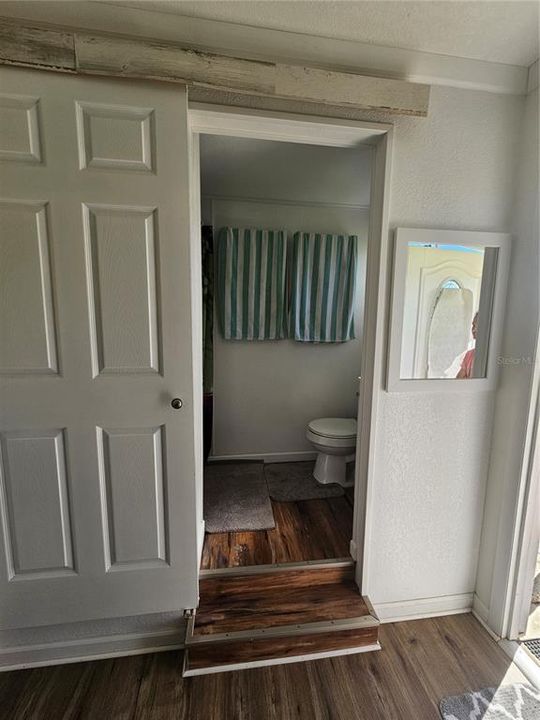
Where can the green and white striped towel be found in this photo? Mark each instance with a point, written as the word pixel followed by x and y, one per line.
pixel 251 283
pixel 323 279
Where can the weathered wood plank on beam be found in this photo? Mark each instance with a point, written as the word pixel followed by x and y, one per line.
pixel 23 44
pixel 126 57
pixel 339 88
pixel 69 50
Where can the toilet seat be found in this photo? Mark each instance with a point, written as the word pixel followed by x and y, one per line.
pixel 334 428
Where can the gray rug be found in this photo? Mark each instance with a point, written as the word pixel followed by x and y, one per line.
pixel 293 481
pixel 509 702
pixel 236 498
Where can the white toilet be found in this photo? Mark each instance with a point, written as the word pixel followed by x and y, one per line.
pixel 335 441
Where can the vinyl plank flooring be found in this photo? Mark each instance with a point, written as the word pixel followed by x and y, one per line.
pixel 294 540
pixel 443 663
pixel 113 690
pixel 326 530
pixel 160 695
pixel 336 696
pixel 393 676
pixel 307 530
pixel 14 688
pixel 215 552
pixel 29 701
pixel 421 662
pixel 52 687
pixel 218 697
pixel 296 694
pixel 269 600
pixel 257 696
pixel 343 519
pixel 251 548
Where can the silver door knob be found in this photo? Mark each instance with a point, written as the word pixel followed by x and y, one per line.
pixel 176 403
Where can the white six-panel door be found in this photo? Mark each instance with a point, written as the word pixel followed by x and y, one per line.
pixel 98 514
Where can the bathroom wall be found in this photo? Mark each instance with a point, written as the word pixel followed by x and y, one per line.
pixel 266 392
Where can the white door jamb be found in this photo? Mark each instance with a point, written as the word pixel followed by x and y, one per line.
pixel 287 127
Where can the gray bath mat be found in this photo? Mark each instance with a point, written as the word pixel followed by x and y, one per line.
pixel 293 481
pixel 236 498
pixel 509 702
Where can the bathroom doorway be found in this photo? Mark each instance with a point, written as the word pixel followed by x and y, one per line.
pixel 282 381
pixel 288 225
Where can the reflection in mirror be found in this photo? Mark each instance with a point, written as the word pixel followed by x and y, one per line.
pixel 447 310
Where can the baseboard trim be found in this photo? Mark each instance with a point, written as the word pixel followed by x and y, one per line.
pixel 268 457
pixel 480 611
pixel 86 649
pixel 486 627
pixel 91 640
pixel 421 608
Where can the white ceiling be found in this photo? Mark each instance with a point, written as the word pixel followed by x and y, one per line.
pixel 492 30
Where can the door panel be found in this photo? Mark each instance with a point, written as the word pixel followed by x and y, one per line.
pixel 97 469
pixel 121 271
pixel 19 129
pixel 132 484
pixel 111 136
pixel 26 308
pixel 36 522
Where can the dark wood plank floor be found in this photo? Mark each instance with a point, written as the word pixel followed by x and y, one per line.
pixel 307 530
pixel 421 662
pixel 289 597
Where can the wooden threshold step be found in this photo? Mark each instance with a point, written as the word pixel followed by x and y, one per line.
pixel 277 567
pixel 285 615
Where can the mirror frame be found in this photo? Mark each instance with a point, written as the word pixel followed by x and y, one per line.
pixel 402 236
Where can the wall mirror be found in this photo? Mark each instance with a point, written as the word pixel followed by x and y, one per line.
pixel 448 297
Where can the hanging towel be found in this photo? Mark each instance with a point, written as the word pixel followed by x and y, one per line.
pixel 251 284
pixel 323 287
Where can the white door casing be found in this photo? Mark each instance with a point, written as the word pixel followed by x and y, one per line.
pixel 288 127
pixel 97 470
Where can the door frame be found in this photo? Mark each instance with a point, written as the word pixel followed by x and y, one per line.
pixel 514 579
pixel 313 130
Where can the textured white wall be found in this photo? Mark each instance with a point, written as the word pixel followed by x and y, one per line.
pixel 519 342
pixel 265 393
pixel 454 169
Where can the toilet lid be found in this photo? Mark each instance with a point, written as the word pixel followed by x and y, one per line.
pixel 334 427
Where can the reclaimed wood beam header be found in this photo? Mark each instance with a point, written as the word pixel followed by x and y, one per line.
pixel 81 52
pixel 46 48
pixel 134 58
